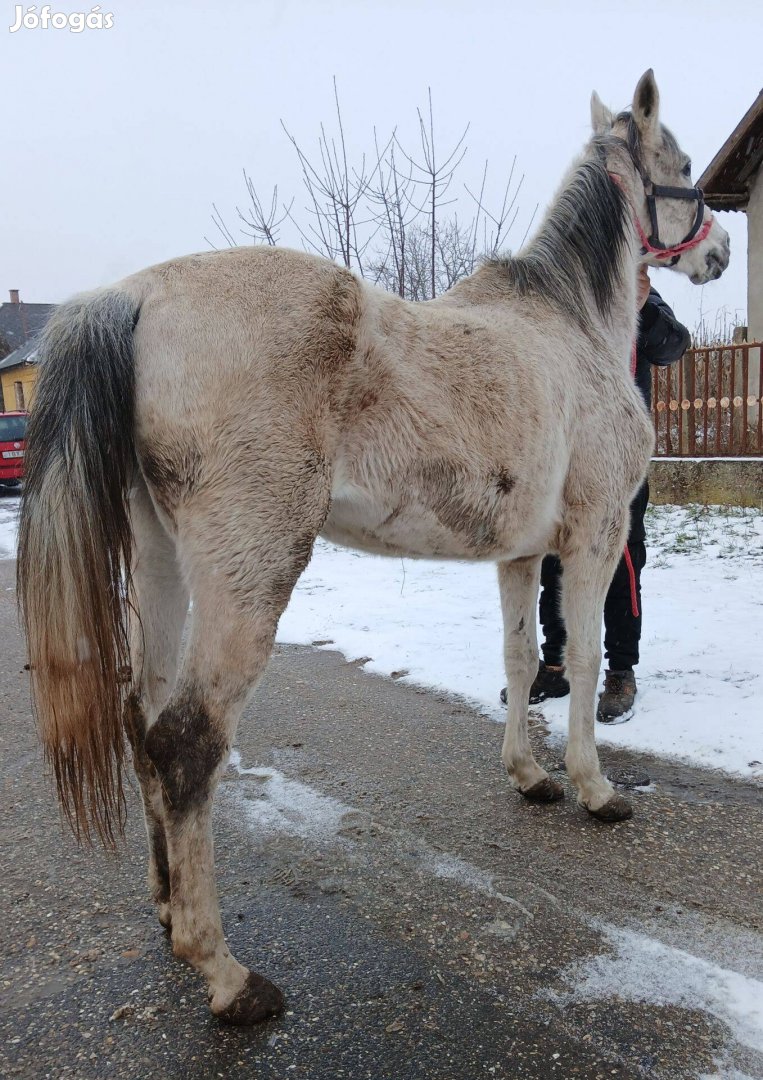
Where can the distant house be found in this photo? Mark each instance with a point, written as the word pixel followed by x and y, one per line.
pixel 734 181
pixel 20 325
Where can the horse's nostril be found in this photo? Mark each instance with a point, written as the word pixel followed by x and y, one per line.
pixel 717 261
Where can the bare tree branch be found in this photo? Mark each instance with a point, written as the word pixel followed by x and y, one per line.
pixel 389 217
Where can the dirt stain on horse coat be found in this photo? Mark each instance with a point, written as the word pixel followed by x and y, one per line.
pixel 462 503
pixel 185 747
pixel 172 473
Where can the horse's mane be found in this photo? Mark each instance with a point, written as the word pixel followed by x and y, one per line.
pixel 579 246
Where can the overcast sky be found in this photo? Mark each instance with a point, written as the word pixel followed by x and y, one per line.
pixel 117 141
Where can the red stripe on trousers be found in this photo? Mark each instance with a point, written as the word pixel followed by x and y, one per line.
pixel 632 577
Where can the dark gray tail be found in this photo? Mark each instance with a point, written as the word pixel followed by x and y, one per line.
pixel 74 551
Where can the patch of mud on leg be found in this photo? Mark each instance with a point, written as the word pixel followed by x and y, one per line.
pixel 258 1000
pixel 614 809
pixel 545 791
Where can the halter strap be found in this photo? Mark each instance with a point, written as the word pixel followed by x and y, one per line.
pixel 694 238
pixel 654 191
pixel 652 244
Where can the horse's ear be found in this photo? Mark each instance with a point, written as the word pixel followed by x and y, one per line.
pixel 646 105
pixel 601 117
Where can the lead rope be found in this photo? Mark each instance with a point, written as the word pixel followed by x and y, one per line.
pixel 677 249
pixel 628 561
pixel 660 253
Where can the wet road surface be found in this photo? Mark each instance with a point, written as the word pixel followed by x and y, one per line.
pixel 424 922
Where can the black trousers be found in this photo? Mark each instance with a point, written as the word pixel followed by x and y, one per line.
pixel 622 629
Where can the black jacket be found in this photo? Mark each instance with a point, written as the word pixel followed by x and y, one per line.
pixel 661 340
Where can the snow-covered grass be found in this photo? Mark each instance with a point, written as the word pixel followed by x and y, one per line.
pixel 438 624
pixel 732 532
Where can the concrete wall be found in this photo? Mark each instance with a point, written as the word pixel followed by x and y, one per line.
pixel 718 481
pixel 755 259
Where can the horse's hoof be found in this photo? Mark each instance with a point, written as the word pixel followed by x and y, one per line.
pixel 546 790
pixel 616 808
pixel 257 1000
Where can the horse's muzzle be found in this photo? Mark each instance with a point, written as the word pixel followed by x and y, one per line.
pixel 716 262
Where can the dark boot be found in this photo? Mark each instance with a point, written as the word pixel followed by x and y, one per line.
pixel 616 700
pixel 547 684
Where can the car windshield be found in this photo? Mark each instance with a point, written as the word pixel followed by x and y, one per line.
pixel 12 428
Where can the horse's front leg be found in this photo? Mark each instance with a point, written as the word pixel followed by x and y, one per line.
pixel 584 587
pixel 519 596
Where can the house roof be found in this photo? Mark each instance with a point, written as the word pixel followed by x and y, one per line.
pixel 727 180
pixel 19 322
pixel 25 354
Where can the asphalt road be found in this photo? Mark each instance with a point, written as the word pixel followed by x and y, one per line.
pixel 422 919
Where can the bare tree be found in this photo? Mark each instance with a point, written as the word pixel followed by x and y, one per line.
pixel 393 219
pixel 436 178
pixel 336 198
pixel 260 224
pixel 393 210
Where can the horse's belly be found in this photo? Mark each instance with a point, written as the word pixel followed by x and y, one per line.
pixel 410 535
pixel 416 529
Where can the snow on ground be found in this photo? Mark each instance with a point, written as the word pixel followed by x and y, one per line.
pixel 701 671
pixel 9 509
pixel 642 969
pixel 280 805
pixel 286 806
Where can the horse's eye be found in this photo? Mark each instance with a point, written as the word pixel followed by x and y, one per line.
pixel 686 171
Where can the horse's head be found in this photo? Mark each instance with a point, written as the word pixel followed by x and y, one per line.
pixel 675 226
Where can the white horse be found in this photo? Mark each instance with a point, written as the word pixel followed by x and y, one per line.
pixel 198 424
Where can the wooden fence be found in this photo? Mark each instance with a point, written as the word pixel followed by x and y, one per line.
pixel 709 403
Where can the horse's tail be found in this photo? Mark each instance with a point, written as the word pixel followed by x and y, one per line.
pixel 74 551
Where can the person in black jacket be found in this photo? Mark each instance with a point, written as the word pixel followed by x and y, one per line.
pixel 661 341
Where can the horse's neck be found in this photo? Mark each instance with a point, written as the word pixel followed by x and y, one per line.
pixel 625 315
pixel 561 237
pixel 622 323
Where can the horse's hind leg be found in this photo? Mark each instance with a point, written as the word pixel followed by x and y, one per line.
pixel 519 595
pixel 159 604
pixel 243 553
pixel 588 570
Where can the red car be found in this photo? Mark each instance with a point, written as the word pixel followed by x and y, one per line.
pixel 12 435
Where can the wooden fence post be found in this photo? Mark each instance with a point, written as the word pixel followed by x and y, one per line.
pixel 688 363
